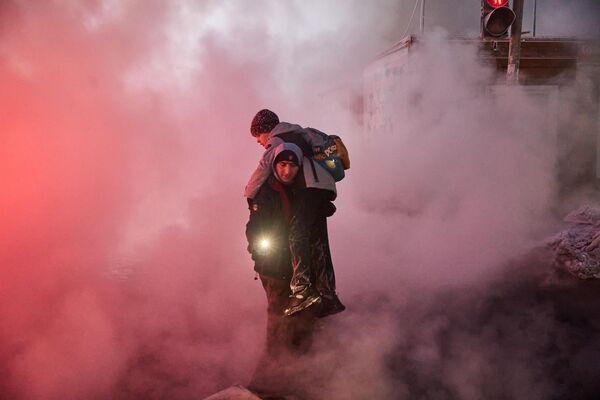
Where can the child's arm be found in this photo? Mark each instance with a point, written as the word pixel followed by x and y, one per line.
pixel 262 172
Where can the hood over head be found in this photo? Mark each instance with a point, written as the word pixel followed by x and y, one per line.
pixel 286 152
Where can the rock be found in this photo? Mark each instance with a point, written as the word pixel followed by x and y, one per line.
pixel 236 392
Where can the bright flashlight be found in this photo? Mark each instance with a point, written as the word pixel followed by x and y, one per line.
pixel 264 244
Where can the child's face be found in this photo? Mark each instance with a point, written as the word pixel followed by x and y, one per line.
pixel 262 139
pixel 286 171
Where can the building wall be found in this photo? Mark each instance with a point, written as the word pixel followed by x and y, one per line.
pixel 568 90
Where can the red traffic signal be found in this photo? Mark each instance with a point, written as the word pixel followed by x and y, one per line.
pixel 497 3
pixel 496 18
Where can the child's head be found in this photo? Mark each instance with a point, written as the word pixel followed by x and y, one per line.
pixel 262 124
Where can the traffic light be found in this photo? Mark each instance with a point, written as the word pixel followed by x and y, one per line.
pixel 496 18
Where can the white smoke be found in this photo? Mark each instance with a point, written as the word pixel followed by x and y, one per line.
pixel 125 151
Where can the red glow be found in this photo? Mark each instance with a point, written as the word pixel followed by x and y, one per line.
pixel 497 3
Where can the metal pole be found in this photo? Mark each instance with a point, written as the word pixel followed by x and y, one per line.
pixel 481 27
pixel 534 15
pixel 422 24
pixel 514 49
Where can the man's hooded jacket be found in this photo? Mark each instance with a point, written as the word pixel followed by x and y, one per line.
pixel 267 229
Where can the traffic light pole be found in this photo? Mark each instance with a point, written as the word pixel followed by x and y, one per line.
pixel 514 50
pixel 534 15
pixel 422 19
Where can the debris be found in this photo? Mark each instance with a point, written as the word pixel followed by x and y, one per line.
pixel 577 248
pixel 236 392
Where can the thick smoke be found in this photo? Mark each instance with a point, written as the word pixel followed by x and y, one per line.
pixel 126 146
pixel 125 149
pixel 467 175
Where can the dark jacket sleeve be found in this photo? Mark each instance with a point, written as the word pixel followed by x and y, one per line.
pixel 266 220
pixel 261 210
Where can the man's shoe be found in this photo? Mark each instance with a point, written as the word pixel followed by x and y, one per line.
pixel 301 301
pixel 330 305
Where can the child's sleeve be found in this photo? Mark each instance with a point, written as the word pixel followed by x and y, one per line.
pixel 261 173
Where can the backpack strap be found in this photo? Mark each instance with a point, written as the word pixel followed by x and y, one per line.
pixel 314 170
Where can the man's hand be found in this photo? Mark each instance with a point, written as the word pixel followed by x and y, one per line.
pixel 328 209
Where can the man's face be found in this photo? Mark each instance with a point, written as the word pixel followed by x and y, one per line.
pixel 287 171
pixel 262 139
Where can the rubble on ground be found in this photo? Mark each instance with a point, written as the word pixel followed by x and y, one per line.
pixel 576 248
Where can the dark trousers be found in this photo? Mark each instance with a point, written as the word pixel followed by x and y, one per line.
pixel 284 334
pixel 287 340
pixel 309 242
